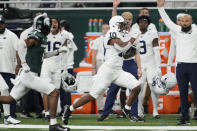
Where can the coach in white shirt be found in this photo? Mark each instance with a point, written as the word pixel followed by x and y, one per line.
pixel 186 57
pixel 8 53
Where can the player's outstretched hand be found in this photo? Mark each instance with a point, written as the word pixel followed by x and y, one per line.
pixel 160 3
pixel 116 3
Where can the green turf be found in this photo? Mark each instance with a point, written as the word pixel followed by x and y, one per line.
pixel 165 120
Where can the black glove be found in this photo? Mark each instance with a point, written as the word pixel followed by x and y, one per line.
pixel 130 52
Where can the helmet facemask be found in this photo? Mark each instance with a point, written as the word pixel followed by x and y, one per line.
pixel 69 82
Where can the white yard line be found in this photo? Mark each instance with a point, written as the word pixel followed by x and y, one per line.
pixel 106 127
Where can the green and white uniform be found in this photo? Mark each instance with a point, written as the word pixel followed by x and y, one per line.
pixel 34 54
pixel 30 80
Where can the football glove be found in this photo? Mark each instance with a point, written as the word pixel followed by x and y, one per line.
pixel 130 52
pixel 63 49
pixel 25 67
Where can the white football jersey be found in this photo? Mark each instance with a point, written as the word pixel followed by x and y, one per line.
pixel 3 84
pixel 25 33
pixel 113 57
pixel 8 48
pixel 146 47
pixel 98 45
pixel 54 43
pixel 127 37
pixel 151 27
pixel 72 48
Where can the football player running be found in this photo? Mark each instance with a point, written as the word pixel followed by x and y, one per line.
pixel 131 65
pixel 150 62
pixel 111 70
pixel 52 67
pixel 31 67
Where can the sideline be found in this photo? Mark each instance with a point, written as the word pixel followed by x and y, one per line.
pixel 106 127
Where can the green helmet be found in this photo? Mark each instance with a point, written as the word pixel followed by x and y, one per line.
pixel 42 23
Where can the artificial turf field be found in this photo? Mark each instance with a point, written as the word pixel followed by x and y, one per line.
pixel 89 123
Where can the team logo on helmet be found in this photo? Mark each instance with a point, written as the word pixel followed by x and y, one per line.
pixel 159 86
pixel 170 80
pixel 42 23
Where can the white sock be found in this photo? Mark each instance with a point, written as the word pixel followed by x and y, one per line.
pixel 53 121
pixel 72 108
pixel 155 99
pixel 6 107
pixel 46 113
pixel 127 107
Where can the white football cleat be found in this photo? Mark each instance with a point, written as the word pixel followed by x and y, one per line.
pixel 11 120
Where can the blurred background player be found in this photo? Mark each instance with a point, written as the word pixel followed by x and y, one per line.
pixel 150 62
pixel 98 60
pixel 8 67
pixel 52 67
pixel 152 27
pixel 129 65
pixel 65 96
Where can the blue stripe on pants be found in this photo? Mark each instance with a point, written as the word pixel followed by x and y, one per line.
pixel 128 66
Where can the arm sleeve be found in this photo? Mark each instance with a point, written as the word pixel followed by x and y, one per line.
pixel 15 41
pixel 172 51
pixel 135 33
pixel 22 49
pixel 171 25
pixel 95 44
pixel 123 49
pixel 152 27
pixel 157 56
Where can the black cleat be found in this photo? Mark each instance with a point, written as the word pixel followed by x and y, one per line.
pixel 121 115
pixel 133 118
pixel 178 118
pixel 195 115
pixel 114 113
pixel 66 114
pixel 102 118
pixel 58 127
pixel 128 114
pixel 157 117
pixel 47 118
pixel 140 119
pixel 183 123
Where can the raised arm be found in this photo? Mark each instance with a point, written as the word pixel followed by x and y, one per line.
pixel 171 54
pixel 156 50
pixel 171 25
pixel 115 6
